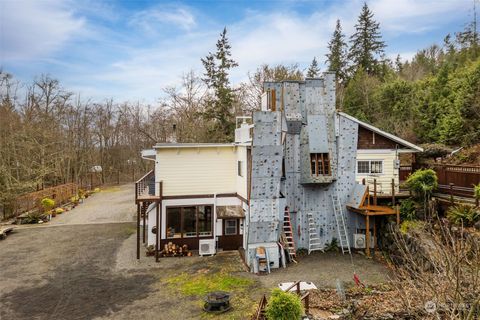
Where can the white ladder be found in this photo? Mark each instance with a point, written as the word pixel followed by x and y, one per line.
pixel 314 243
pixel 340 221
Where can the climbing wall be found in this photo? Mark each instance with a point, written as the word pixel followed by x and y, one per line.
pixel 305 111
pixel 265 203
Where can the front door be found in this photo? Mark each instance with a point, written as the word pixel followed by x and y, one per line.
pixel 231 238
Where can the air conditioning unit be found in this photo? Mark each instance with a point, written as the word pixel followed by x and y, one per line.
pixel 359 240
pixel 206 247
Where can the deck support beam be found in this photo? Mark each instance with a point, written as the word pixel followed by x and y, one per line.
pixel 367 235
pixel 157 209
pixel 144 211
pixel 138 230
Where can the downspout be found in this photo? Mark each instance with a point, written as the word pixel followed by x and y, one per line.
pixel 215 221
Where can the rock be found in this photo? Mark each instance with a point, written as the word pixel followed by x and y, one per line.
pixel 477 225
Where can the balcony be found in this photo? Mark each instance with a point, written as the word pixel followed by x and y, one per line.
pixel 145 188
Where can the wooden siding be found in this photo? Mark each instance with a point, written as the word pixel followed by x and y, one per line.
pixel 190 171
pixel 368 139
pixel 384 180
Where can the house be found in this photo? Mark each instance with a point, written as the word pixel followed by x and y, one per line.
pixel 289 167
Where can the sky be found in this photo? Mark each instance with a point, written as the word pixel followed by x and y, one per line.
pixel 131 50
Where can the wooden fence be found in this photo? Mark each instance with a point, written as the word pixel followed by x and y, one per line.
pixel 61 194
pixel 457 180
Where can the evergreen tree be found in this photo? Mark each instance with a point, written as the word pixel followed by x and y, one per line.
pixel 366 43
pixel 336 58
pixel 313 71
pixel 219 107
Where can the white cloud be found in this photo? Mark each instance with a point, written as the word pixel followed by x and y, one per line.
pixel 413 16
pixel 162 16
pixel 168 40
pixel 32 29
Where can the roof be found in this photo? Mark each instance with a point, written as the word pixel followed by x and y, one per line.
pixel 192 145
pixel 383 133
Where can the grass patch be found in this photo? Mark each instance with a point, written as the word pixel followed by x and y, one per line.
pixel 201 284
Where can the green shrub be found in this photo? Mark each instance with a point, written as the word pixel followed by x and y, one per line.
pixel 47 204
pixel 283 306
pixel 463 214
pixel 34 217
pixel 422 182
pixel 476 191
pixel 408 225
pixel 332 246
pixel 407 209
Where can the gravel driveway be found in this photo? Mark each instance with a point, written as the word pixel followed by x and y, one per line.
pixel 82 265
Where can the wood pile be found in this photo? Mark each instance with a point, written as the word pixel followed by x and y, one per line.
pixel 175 250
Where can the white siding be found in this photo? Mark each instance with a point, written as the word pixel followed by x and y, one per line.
pixel 384 180
pixel 195 171
pixel 242 180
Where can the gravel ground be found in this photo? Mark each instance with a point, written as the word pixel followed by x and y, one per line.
pixel 82 265
pixel 114 204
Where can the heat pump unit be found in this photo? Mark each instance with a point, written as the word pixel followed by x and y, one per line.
pixel 206 247
pixel 359 240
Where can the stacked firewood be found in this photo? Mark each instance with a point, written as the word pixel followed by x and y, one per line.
pixel 174 250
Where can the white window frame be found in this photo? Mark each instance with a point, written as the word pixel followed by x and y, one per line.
pixel 227 226
pixel 370 167
pixel 240 170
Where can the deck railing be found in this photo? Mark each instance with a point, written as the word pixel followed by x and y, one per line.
pixel 145 186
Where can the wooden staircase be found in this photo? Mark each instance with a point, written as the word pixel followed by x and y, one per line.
pixel 288 234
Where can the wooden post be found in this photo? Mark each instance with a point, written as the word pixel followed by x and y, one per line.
pixel 138 230
pixel 363 181
pixel 158 230
pixel 374 235
pixel 393 191
pixel 374 192
pixel 144 212
pixel 118 177
pixel 451 193
pixel 368 196
pixel 397 210
pixel 367 235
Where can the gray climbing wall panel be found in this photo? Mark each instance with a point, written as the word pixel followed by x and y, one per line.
pixel 267 154
pixel 312 125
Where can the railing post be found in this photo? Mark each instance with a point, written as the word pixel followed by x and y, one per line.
pixel 374 192
pixel 451 193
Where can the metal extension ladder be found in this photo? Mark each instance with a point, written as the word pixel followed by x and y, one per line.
pixel 314 243
pixel 340 221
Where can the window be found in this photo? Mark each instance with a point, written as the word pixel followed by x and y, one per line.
pixel 376 166
pixel 174 218
pixel 370 166
pixel 204 221
pixel 240 168
pixel 189 222
pixel 230 227
pixel 319 164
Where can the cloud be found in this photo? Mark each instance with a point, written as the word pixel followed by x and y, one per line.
pixel 160 17
pixel 129 54
pixel 35 29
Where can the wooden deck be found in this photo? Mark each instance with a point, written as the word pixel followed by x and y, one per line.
pixel 368 208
